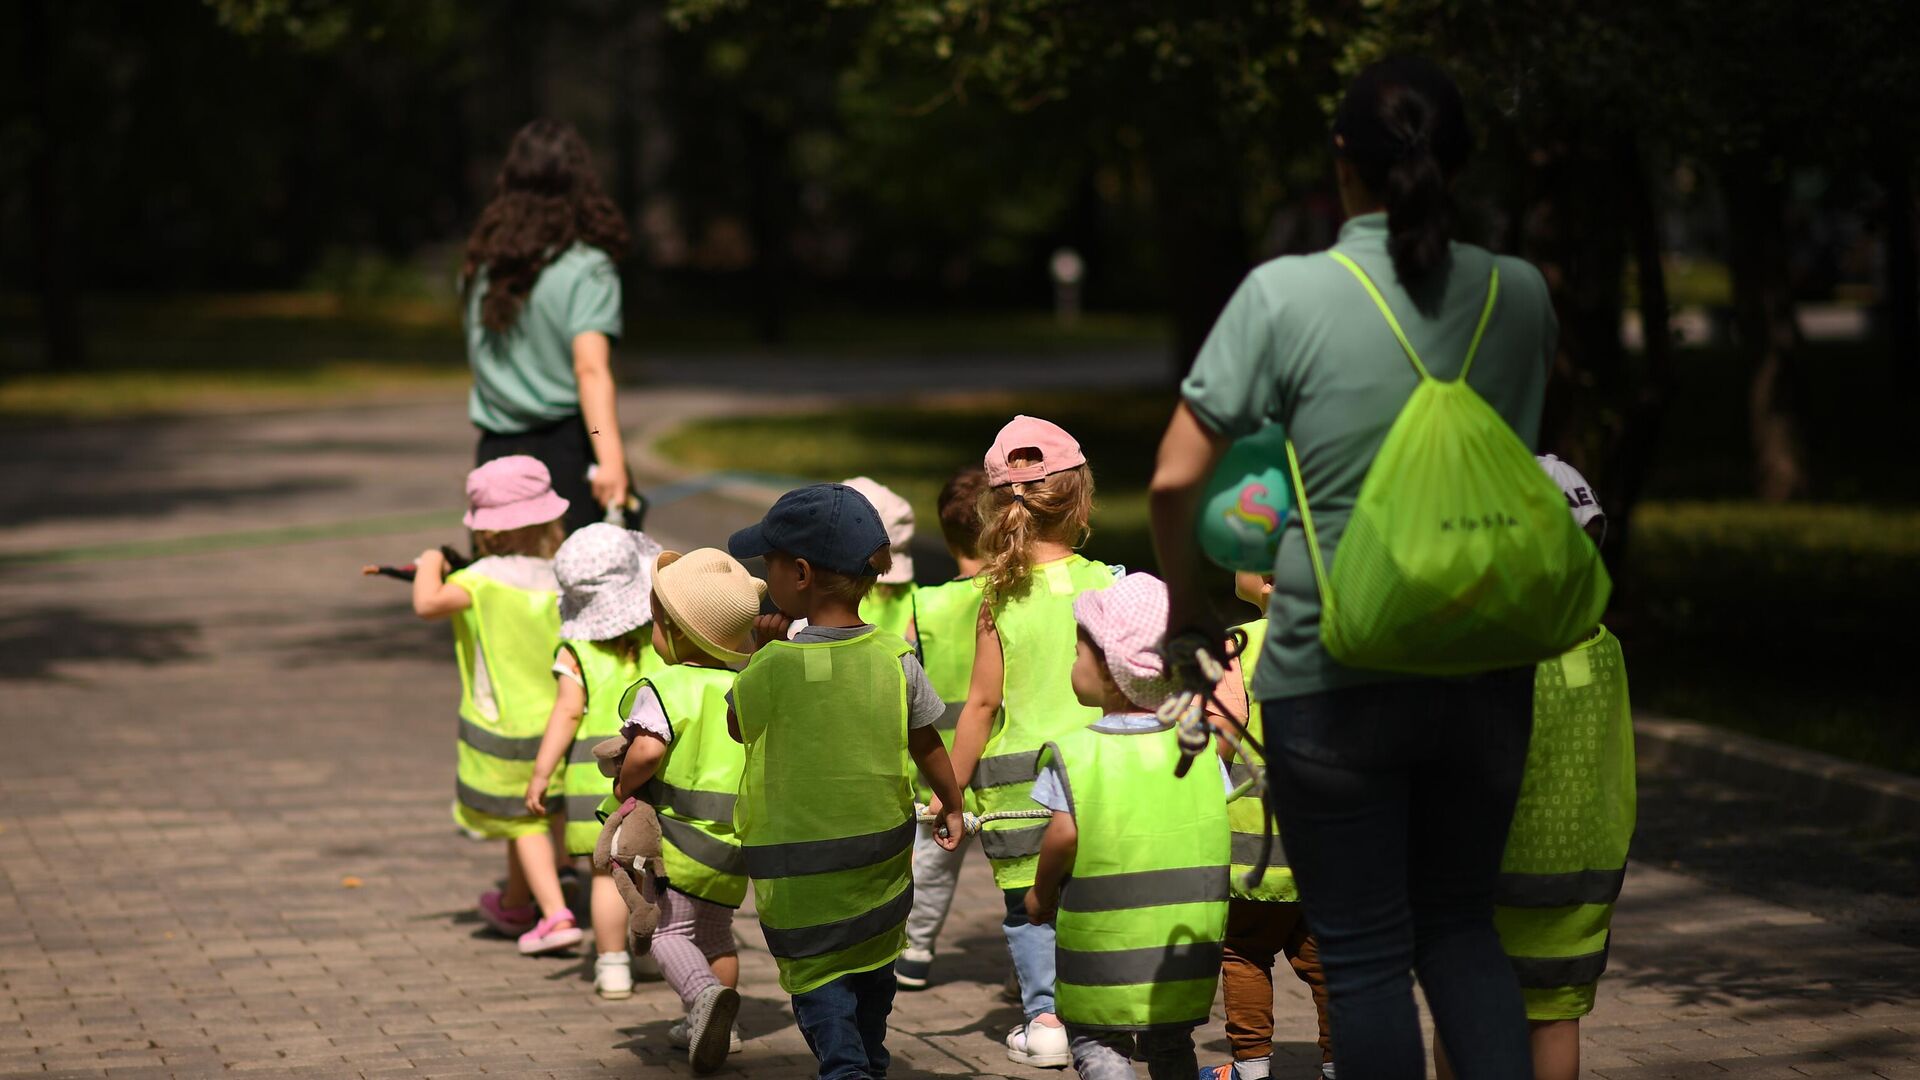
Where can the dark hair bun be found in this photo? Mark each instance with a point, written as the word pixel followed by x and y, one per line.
pixel 1403 126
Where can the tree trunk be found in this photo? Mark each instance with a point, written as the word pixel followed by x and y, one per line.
pixel 769 216
pixel 1900 303
pixel 1764 320
pixel 53 259
pixel 1202 238
pixel 1578 239
pixel 1631 458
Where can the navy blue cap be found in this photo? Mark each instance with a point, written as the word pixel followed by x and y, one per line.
pixel 831 526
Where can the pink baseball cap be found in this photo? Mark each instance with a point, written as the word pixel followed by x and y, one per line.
pixel 1047 440
pixel 511 493
pixel 1126 620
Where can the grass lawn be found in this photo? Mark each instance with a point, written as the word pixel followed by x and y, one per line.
pixel 1792 622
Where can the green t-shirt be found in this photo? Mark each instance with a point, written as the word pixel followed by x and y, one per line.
pixel 1301 343
pixel 523 378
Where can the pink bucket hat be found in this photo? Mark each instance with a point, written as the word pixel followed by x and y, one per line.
pixel 511 493
pixel 1056 449
pixel 1126 621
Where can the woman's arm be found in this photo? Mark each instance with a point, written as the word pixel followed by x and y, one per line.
pixel 433 598
pixel 642 761
pixel 562 723
pixel 1188 454
pixel 593 369
pixel 983 699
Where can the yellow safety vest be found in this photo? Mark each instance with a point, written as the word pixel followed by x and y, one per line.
pixel 515 631
pixel 1245 814
pixel 947 617
pixel 1141 919
pixel 607 670
pixel 825 814
pixel 696 786
pixel 890 607
pixel 1037 640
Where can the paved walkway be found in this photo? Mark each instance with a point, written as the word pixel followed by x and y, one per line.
pixel 224 844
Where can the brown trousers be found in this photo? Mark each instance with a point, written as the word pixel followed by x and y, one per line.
pixel 1258 932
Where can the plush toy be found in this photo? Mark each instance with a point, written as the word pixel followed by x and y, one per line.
pixel 629 848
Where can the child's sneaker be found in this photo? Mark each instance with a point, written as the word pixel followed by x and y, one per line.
pixel 914 969
pixel 506 921
pixel 1326 1070
pixel 709 1025
pixel 1229 1071
pixel 613 976
pixel 551 934
pixel 678 1038
pixel 1042 1046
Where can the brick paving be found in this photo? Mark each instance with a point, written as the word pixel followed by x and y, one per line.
pixel 224 843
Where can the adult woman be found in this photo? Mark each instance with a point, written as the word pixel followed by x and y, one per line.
pixel 542 312
pixel 1394 794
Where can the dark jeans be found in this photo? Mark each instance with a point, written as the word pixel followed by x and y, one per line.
pixel 565 449
pixel 845 1024
pixel 1394 800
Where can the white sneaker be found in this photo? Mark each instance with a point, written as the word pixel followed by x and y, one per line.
pixel 1039 1045
pixel 679 1039
pixel 613 976
pixel 710 1027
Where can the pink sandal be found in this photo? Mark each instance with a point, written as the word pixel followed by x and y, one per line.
pixel 507 921
pixel 551 934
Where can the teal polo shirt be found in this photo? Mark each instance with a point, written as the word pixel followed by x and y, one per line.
pixel 1301 343
pixel 523 378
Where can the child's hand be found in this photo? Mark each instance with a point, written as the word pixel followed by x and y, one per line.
pixel 949 826
pixel 772 627
pixel 537 794
pixel 1038 912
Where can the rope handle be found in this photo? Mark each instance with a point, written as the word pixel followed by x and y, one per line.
pixel 922 813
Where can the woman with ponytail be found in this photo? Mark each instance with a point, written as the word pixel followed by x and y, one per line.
pixel 1394 793
pixel 542 309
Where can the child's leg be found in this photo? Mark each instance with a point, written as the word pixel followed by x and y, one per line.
pixel 1103 1055
pixel 1032 948
pixel 516 894
pixel 873 995
pixel 1303 953
pixel 1169 1054
pixel 676 946
pixel 557 832
pixel 609 915
pixel 536 862
pixel 935 873
pixel 1556 1049
pixel 828 1017
pixel 1255 933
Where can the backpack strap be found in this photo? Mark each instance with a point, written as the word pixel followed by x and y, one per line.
pixel 1313 541
pixel 1479 331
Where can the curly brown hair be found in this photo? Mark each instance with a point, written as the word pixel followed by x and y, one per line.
pixel 546 198
pixel 1015 517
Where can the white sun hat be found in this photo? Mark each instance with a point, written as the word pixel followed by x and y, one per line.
pixel 896 514
pixel 606 582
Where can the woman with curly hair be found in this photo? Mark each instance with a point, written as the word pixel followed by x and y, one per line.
pixel 542 309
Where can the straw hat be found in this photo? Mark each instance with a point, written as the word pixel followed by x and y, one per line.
pixel 708 596
pixel 606 582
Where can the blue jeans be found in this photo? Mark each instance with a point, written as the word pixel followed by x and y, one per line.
pixel 1394 800
pixel 1032 947
pixel 845 1024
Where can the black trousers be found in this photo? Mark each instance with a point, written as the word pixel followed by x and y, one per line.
pixel 564 448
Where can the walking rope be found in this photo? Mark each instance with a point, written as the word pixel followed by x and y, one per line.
pixel 1190 658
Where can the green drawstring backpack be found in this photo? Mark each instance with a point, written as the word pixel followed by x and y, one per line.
pixel 1459 555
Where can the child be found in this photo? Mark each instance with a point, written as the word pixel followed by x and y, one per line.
pixel 505 628
pixel 605 575
pixel 944 620
pixel 825 814
pixel 889 605
pixel 1142 853
pixel 680 758
pixel 1033 514
pixel 1264 921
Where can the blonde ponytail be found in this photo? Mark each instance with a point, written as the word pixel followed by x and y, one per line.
pixel 1016 517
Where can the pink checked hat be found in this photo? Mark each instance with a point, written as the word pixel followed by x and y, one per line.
pixel 1057 451
pixel 511 493
pixel 1126 621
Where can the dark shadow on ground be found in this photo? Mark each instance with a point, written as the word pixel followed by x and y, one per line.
pixel 372 635
pixel 1804 857
pixel 33 642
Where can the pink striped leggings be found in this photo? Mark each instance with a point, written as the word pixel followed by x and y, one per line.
pixel 692 932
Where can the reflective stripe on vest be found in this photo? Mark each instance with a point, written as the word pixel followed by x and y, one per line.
pixel 946 618
pixel 825 813
pixel 1142 916
pixel 606 670
pixel 513 632
pixel 694 791
pixel 1566 852
pixel 1037 645
pixel 1245 815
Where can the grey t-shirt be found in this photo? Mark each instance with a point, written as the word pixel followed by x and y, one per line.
pixel 924 706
